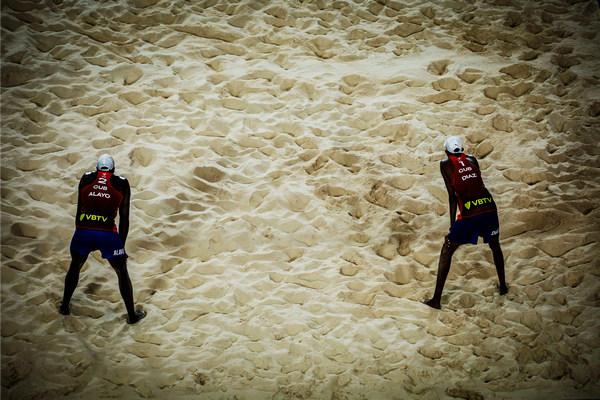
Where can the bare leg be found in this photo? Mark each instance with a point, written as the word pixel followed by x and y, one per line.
pixel 499 261
pixel 71 280
pixel 448 250
pixel 119 264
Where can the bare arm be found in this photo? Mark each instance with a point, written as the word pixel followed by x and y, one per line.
pixel 79 200
pixel 124 214
pixel 445 170
pixel 85 180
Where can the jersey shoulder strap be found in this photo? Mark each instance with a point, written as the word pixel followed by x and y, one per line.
pixel 120 183
pixel 88 178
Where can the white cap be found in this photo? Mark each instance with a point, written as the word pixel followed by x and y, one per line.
pixel 454 145
pixel 105 163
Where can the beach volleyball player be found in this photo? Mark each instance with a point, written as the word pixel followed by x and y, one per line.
pixel 101 195
pixel 477 214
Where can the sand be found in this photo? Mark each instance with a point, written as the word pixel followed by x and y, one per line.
pixel 287 207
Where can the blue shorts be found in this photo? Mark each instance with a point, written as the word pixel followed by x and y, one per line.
pixel 109 243
pixel 469 229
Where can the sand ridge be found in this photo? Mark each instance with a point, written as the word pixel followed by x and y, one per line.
pixel 287 209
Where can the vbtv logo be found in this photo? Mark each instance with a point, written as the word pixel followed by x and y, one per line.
pixel 478 202
pixel 92 217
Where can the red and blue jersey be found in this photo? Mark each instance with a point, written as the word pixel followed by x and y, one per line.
pixel 101 194
pixel 473 197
